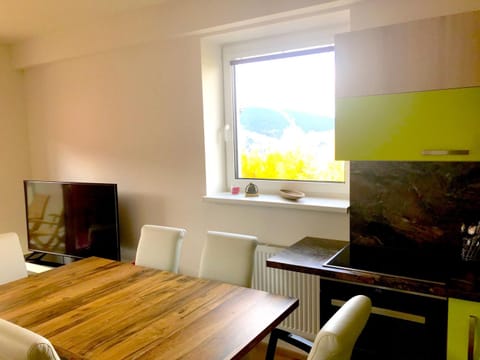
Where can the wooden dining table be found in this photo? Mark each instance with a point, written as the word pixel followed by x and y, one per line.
pixel 99 309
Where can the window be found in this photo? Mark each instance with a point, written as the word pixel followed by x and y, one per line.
pixel 280 120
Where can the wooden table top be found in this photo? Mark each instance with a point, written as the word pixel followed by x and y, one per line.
pixel 103 309
pixel 307 255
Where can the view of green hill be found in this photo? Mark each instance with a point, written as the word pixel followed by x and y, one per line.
pixel 272 123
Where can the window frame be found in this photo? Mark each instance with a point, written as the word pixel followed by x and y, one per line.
pixel 267 47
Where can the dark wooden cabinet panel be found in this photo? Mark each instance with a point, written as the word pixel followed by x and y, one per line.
pixel 402 325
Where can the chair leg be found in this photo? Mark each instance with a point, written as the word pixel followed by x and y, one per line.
pixel 272 344
pixel 295 340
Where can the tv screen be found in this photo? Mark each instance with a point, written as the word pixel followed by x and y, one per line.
pixel 72 219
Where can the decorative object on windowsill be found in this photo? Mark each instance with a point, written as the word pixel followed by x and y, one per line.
pixel 291 195
pixel 235 190
pixel 471 242
pixel 251 190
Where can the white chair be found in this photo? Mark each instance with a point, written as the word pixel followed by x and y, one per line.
pixel 336 339
pixel 12 262
pixel 19 343
pixel 228 257
pixel 159 247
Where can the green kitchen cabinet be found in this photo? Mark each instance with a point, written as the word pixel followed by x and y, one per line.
pixel 423 125
pixel 463 330
pixel 410 91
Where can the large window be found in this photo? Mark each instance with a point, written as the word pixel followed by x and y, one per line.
pixel 280 112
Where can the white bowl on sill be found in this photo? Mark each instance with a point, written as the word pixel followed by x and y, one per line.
pixel 291 195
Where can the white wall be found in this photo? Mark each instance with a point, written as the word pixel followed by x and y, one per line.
pixel 134 115
pixel 119 109
pixel 14 161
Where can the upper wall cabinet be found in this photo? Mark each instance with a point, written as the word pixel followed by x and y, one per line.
pixel 410 91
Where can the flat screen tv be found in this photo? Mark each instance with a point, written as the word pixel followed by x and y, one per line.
pixel 72 219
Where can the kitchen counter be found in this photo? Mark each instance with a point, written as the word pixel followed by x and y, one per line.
pixel 310 255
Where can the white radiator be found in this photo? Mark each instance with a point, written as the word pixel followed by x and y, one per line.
pixel 305 320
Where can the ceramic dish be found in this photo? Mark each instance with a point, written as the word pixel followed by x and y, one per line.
pixel 291 195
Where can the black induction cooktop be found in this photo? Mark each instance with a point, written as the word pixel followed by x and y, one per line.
pixel 398 263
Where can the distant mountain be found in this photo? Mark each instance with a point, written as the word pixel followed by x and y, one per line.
pixel 311 122
pixel 264 121
pixel 273 123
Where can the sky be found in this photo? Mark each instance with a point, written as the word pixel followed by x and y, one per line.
pixel 303 83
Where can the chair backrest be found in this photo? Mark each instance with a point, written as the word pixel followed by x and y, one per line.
pixel 18 343
pixel 159 247
pixel 12 262
pixel 228 257
pixel 336 339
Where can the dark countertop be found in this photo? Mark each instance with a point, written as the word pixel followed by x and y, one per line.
pixel 309 255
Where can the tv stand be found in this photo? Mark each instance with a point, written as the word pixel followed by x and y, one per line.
pixel 52 261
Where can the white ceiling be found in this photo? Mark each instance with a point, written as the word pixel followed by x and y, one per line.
pixel 23 19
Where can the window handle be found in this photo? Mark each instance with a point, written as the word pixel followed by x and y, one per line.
pixel 227 133
pixel 471 336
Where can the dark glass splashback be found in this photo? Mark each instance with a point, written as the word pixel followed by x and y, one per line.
pixel 413 210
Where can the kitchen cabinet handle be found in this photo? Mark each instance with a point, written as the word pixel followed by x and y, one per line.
pixel 438 152
pixel 471 336
pixel 401 315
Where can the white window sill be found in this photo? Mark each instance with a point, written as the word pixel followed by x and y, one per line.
pixel 270 200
